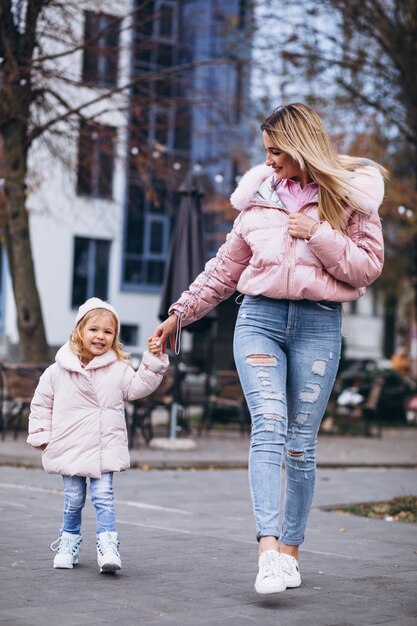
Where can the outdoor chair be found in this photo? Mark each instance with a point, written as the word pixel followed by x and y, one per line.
pixel 18 382
pixel 226 402
pixel 363 409
pixel 193 394
pixel 370 414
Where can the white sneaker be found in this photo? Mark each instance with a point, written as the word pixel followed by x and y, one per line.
pixel 108 556
pixel 291 571
pixel 67 548
pixel 270 578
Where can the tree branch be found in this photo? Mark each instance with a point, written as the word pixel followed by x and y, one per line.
pixel 108 94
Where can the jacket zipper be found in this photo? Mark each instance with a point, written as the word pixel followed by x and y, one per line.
pixel 291 240
pixel 288 260
pixel 291 248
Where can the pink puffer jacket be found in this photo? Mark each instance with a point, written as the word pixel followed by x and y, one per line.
pixel 79 412
pixel 260 257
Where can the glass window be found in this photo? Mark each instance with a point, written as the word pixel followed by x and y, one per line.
pixel 129 334
pixel 243 7
pixel 239 93
pixel 165 55
pixel 135 220
pixel 134 271
pixel 146 239
pixel 156 238
pixel 96 157
pixel 162 127
pixel 91 269
pixel 182 130
pixel 166 21
pixel 155 272
pixel 101 49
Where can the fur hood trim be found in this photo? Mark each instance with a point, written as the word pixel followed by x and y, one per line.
pixel 249 184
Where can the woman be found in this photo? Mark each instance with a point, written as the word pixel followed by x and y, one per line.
pixel 308 237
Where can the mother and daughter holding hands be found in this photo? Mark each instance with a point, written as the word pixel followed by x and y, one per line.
pixel 307 238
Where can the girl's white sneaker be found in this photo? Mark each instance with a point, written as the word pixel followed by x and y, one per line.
pixel 108 556
pixel 67 548
pixel 270 578
pixel 291 571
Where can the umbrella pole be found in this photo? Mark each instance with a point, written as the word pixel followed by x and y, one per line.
pixel 173 417
pixel 173 420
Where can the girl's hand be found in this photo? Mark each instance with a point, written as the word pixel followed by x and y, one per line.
pixel 167 330
pixel 301 226
pixel 154 345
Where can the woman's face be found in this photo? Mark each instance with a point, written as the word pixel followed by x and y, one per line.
pixel 283 164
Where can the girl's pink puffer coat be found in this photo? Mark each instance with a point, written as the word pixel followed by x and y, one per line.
pixel 259 256
pixel 79 412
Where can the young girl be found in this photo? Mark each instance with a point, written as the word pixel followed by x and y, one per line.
pixel 77 419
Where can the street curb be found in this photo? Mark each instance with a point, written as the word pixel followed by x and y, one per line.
pixel 212 466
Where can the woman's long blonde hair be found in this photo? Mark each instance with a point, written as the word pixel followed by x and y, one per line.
pixel 299 131
pixel 76 342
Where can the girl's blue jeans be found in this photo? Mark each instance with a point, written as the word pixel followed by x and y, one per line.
pixel 75 491
pixel 287 354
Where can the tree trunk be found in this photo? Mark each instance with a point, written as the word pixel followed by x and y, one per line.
pixel 33 344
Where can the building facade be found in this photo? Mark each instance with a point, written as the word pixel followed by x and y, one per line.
pixel 101 210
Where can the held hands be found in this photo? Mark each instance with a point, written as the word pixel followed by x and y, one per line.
pixel 166 330
pixel 154 345
pixel 301 226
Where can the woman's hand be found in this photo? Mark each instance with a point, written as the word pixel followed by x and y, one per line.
pixel 301 226
pixel 166 330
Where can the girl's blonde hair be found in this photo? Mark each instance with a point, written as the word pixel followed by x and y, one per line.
pixel 76 342
pixel 299 131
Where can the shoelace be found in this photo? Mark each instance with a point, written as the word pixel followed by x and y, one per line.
pixel 271 568
pixel 108 544
pixel 53 547
pixel 64 545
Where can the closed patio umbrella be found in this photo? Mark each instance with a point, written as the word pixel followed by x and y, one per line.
pixel 186 259
pixel 187 253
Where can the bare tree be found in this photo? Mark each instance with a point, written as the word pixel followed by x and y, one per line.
pixel 44 97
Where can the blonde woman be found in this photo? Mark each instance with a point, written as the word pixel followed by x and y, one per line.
pixel 77 419
pixel 307 238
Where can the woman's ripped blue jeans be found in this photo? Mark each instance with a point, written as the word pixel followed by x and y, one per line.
pixel 75 492
pixel 287 354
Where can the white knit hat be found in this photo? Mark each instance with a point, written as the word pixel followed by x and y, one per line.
pixel 96 303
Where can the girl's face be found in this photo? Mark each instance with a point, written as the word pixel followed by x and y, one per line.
pixel 98 335
pixel 283 164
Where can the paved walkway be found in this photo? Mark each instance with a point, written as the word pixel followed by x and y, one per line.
pixel 229 449
pixel 189 554
pixel 188 548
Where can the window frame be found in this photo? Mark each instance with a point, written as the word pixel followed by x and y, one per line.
pixel 96 143
pixel 145 218
pixel 92 269
pixel 101 54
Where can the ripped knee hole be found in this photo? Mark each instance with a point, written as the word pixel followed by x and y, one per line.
pixel 296 454
pixel 261 359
